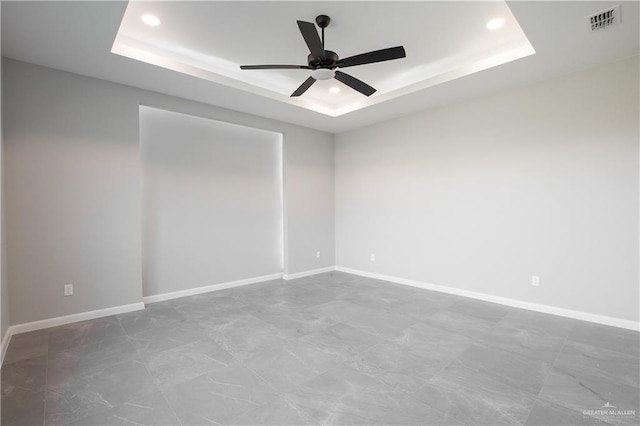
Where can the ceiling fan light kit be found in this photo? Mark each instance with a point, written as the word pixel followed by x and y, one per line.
pixel 323 74
pixel 325 63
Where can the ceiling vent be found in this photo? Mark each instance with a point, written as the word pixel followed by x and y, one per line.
pixel 604 19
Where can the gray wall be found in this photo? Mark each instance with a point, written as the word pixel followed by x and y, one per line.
pixel 309 202
pixel 4 287
pixel 211 201
pixel 480 196
pixel 73 199
pixel 72 193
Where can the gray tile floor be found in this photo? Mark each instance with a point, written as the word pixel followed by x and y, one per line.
pixel 329 349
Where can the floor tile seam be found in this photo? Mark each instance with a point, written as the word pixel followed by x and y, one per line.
pixel 262 321
pixel 296 335
pixel 529 357
pixel 430 313
pixel 624 356
pixel 444 366
pixel 264 379
pixel 412 396
pixel 615 351
pixel 606 327
pixel 493 320
pixel 191 315
pixel 421 355
pixel 519 392
pixel 243 364
pixel 391 340
pixel 230 421
pixel 441 328
pixel 357 353
pixel 373 368
pixel 13 363
pixel 105 364
pixel 501 311
pixel 381 307
pixel 384 385
pixel 499 378
pixel 46 389
pixel 113 341
pixel 555 361
pixel 145 360
pixel 346 322
pixel 494 377
pixel 278 392
pixel 559 403
pixel 226 351
pixel 95 409
pixel 589 376
pixel 302 408
pixel 387 386
pixel 131 336
pixel 380 340
pixel 527 324
pixel 25 390
pixel 519 354
pixel 343 411
pixel 159 389
pixel 9 363
pixel 88 376
pixel 302 288
pixel 300 411
pixel 488 338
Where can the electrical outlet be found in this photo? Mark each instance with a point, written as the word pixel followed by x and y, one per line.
pixel 535 280
pixel 68 290
pixel 372 257
pixel 317 255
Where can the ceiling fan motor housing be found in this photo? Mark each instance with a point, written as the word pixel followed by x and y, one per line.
pixel 330 60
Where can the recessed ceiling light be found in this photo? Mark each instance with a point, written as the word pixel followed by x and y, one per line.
pixel 334 89
pixel 494 24
pixel 150 20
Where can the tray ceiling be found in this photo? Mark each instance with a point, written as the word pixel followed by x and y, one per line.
pixel 210 40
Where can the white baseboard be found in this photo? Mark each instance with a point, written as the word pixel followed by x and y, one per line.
pixel 206 289
pixel 6 339
pixel 308 273
pixel 553 310
pixel 68 319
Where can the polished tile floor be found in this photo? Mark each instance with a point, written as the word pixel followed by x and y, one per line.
pixel 329 349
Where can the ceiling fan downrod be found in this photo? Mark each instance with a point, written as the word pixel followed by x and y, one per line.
pixel 322 21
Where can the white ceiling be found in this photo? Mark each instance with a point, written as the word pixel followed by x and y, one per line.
pixel 443 41
pixel 446 44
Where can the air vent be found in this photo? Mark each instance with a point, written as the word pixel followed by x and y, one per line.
pixel 604 19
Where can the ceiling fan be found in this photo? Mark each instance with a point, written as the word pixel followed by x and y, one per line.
pixel 324 63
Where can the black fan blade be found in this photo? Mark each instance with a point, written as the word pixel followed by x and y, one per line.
pixel 303 87
pixel 355 84
pixel 372 57
pixel 275 67
pixel 311 37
